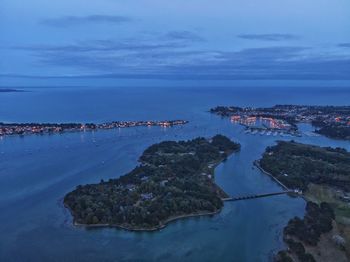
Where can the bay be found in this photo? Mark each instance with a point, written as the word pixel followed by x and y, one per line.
pixel 37 171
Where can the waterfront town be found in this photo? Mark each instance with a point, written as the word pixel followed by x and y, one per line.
pixel 331 121
pixel 50 128
pixel 265 126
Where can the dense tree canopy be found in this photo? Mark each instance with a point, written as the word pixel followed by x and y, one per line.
pixel 173 179
pixel 297 165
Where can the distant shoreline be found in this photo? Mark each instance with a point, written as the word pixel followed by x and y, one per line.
pixel 10 90
pixel 10 129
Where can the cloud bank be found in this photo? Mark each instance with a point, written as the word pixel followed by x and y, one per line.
pixel 171 59
pixel 268 37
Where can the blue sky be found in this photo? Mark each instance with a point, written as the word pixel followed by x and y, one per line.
pixel 181 39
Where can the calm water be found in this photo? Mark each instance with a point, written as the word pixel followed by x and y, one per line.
pixel 37 171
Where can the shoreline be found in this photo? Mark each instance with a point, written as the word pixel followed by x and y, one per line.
pixel 152 229
pixel 257 164
pixel 321 242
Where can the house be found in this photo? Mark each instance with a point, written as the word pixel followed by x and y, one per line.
pixel 146 196
pixel 130 187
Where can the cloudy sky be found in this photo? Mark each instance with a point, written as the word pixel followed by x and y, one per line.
pixel 180 39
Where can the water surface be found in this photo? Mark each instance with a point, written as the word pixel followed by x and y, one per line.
pixel 37 171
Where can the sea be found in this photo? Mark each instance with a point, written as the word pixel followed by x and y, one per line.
pixel 36 171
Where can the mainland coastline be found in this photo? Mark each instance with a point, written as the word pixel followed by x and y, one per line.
pixel 321 175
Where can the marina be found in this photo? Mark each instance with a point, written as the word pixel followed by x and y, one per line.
pixel 271 132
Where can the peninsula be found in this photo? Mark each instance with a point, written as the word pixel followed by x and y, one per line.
pixel 331 121
pixel 7 129
pixel 174 180
pixel 322 174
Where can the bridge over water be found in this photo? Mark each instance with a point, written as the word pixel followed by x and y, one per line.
pixel 286 190
pixel 246 197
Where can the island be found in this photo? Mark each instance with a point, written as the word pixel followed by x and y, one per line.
pixel 7 129
pixel 174 180
pixel 331 121
pixel 323 175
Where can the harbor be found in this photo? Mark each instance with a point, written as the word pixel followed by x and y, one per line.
pixel 264 131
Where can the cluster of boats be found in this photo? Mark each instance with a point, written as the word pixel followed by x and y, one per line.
pixel 269 132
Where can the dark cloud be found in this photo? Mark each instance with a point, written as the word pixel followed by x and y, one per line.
pixel 91 19
pixel 179 63
pixel 329 69
pixel 170 58
pixel 265 55
pixel 171 40
pixel 184 35
pixel 103 46
pixel 268 37
pixel 344 45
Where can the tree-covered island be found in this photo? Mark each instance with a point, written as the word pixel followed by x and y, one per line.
pixel 173 180
pixel 323 174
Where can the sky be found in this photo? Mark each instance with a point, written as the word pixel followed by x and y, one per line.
pixel 181 39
